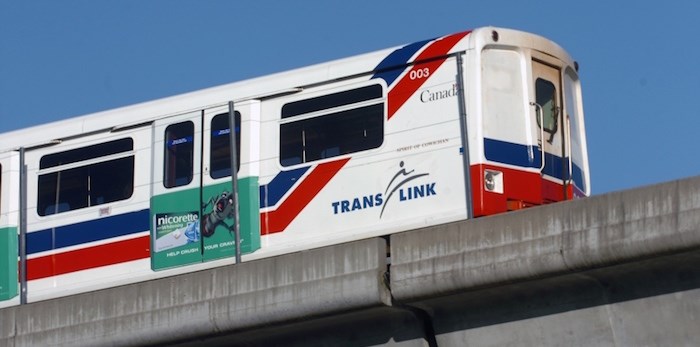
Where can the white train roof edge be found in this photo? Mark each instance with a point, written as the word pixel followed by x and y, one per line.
pixel 259 87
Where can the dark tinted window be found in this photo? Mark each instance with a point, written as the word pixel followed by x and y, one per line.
pixel 546 96
pixel 95 183
pixel 85 153
pixel 335 133
pixel 179 154
pixel 220 157
pixel 332 100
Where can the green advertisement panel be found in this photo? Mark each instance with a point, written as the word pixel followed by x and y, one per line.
pixel 185 233
pixel 175 229
pixel 217 223
pixel 8 263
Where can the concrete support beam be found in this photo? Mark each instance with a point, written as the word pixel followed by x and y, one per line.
pixel 645 303
pixel 381 326
pixel 214 302
pixel 546 241
pixel 621 269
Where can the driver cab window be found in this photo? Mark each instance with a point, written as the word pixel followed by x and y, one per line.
pixel 546 95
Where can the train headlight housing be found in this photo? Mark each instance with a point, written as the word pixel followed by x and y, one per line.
pixel 493 181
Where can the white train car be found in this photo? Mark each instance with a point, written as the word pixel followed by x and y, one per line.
pixel 469 124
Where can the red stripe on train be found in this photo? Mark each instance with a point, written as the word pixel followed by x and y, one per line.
pixel 420 73
pixel 88 258
pixel 278 220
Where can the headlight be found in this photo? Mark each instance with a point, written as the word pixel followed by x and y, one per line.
pixel 493 181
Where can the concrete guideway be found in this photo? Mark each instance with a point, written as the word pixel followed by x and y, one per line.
pixel 207 303
pixel 555 239
pixel 615 269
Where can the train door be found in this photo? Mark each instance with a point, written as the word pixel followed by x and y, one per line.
pixel 217 224
pixel 551 136
pixel 175 204
pixel 9 194
pixel 192 213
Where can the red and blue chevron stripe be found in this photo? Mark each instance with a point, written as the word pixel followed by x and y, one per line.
pixel 432 57
pixel 308 181
pixel 309 186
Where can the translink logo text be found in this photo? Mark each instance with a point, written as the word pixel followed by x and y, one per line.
pixel 398 188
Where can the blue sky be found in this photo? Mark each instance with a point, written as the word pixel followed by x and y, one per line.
pixel 640 61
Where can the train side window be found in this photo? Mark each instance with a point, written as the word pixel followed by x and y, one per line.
pixel 354 122
pixel 325 102
pixel 546 96
pixel 85 177
pixel 220 157
pixel 179 155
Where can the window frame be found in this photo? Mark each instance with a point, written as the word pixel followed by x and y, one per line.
pixel 95 168
pixel 551 116
pixel 223 171
pixel 170 156
pixel 321 117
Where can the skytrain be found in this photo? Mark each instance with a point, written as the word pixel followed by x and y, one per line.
pixel 461 126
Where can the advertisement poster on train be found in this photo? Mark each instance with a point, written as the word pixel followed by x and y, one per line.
pixel 217 225
pixel 176 239
pixel 193 226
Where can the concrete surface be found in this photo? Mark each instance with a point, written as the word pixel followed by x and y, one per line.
pixel 301 285
pixel 546 241
pixel 621 269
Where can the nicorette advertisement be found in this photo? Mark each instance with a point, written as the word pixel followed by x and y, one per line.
pixel 177 239
pixel 194 226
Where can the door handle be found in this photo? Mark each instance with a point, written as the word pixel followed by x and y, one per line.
pixel 538 115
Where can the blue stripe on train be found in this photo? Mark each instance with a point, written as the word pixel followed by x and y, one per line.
pixel 133 222
pixel 279 186
pixel 393 65
pixel 512 153
pixel 88 231
pixel 530 156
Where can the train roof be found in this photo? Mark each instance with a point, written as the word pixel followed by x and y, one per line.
pixel 255 88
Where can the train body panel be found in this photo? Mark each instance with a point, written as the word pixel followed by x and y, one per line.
pixel 360 147
pixel 9 221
